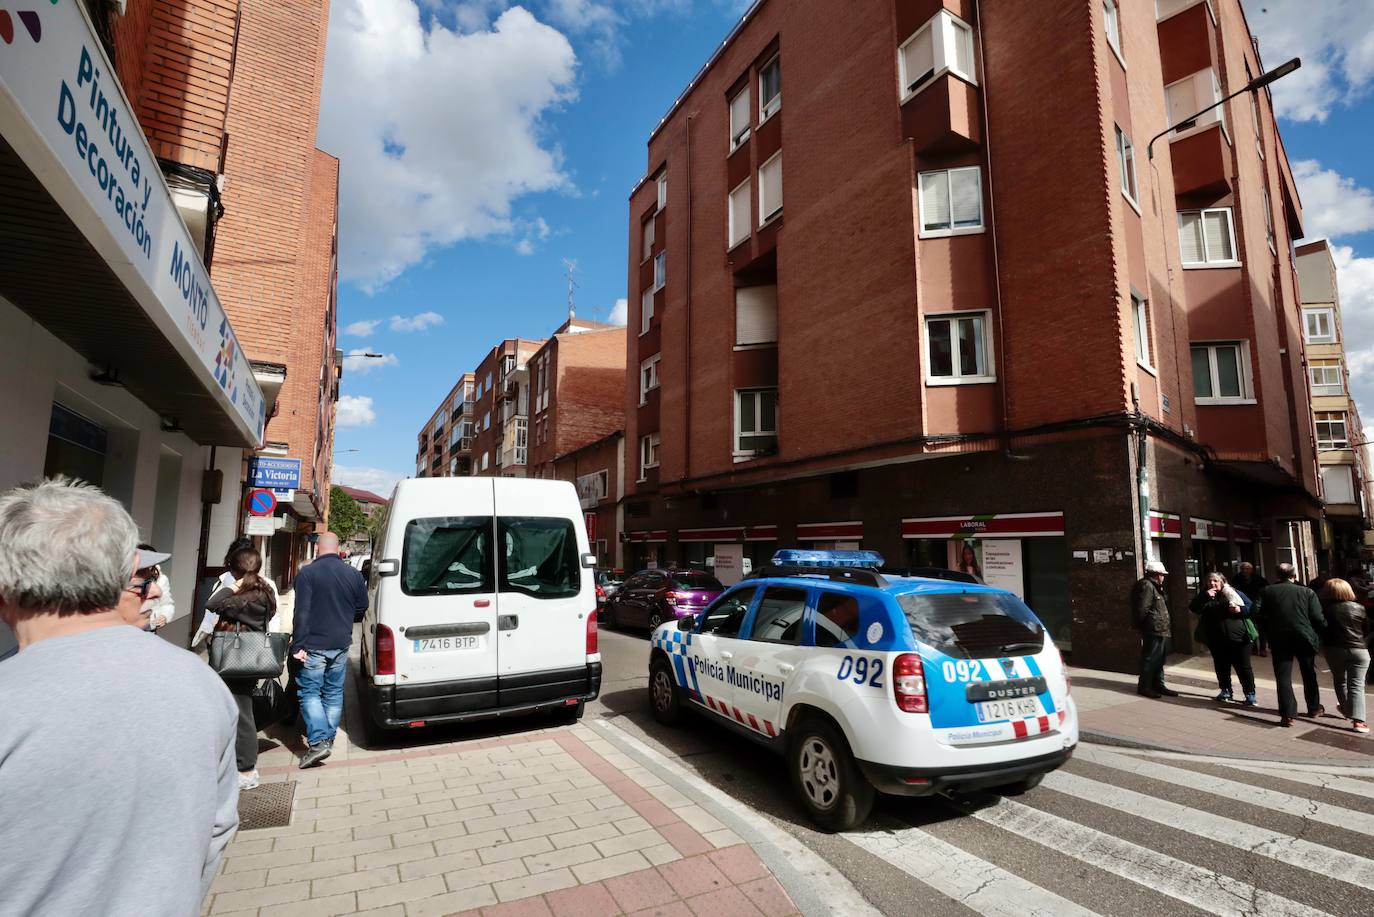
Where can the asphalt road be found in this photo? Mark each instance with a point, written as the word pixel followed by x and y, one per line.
pixel 1111 833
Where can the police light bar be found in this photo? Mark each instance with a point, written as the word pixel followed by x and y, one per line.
pixel 795 557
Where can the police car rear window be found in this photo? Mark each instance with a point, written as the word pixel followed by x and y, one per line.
pixel 973 625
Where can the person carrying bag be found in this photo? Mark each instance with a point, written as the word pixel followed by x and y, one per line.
pixel 1225 627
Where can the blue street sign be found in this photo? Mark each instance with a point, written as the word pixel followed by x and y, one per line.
pixel 261 503
pixel 274 473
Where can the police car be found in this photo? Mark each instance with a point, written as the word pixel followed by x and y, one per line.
pixel 870 682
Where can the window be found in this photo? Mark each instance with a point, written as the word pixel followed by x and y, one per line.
pixel 1255 117
pixel 1125 154
pixel 972 625
pixel 1113 25
pixel 646 310
pixel 1319 325
pixel 1220 373
pixel 740 204
pixel 647 234
pixel 956 348
pixel 1207 237
pixel 539 557
pixel 944 44
pixel 662 190
pixel 1331 432
pixel 648 453
pixel 779 616
pixel 770 89
pixel 648 378
pixel 1327 378
pixel 951 202
pixel 1337 484
pixel 1269 221
pixel 1140 320
pixel 486 460
pixel 488 381
pixel 739 119
pixel 447 555
pixel 1190 95
pixel 837 620
pixel 486 420
pixel 660 270
pixel 770 188
pixel 756 315
pixel 756 421
pixel 725 615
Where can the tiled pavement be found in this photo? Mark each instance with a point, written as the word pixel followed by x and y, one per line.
pixel 556 821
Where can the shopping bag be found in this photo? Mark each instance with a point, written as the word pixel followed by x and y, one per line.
pixel 272 703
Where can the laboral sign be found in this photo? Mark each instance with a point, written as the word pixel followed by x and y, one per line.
pixel 63 110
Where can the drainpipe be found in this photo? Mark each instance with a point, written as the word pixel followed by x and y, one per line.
pixel 687 368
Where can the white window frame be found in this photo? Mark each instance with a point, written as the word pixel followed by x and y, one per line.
pixel 1347 473
pixel 1343 441
pixel 770 107
pixel 1230 229
pixel 660 271
pixel 648 233
pixel 952 230
pixel 1258 120
pixel 662 189
pixel 646 310
pixel 648 377
pixel 1111 17
pixel 1125 160
pixel 486 421
pixel 738 231
pixel 648 454
pixel 739 134
pixel 1269 222
pixel 1205 89
pixel 989 373
pixel 1328 313
pixel 740 393
pixel 1324 366
pixel 946 31
pixel 1247 391
pixel 1140 322
pixel 765 216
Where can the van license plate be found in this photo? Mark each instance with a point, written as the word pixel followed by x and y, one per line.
pixel 440 644
pixel 994 710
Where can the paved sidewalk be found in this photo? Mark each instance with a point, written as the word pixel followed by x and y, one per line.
pixel 1110 711
pixel 554 821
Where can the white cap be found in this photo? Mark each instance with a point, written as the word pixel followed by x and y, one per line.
pixel 1155 566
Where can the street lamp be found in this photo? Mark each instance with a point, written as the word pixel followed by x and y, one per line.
pixel 1259 82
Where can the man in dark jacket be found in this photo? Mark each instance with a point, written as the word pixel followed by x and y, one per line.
pixel 1150 615
pixel 329 594
pixel 1291 617
pixel 1250 583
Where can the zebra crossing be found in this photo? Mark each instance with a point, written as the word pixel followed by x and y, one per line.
pixel 1134 832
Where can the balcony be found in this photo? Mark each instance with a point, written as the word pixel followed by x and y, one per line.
pixel 943 117
pixel 1202 162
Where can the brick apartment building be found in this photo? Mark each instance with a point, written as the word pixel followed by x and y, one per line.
pixel 1340 433
pixel 982 303
pixel 370 504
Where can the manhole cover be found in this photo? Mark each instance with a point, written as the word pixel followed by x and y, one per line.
pixel 267 806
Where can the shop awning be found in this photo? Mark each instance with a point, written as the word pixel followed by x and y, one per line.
pixel 92 245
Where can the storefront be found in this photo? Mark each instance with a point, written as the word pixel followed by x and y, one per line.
pixel 118 364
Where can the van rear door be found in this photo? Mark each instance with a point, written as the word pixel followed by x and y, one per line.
pixel 445 621
pixel 545 596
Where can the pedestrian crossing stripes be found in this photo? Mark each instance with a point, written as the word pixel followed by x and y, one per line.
pixel 1145 833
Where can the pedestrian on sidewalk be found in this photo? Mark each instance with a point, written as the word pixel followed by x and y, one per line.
pixel 1150 615
pixel 108 804
pixel 162 609
pixel 245 604
pixel 1222 619
pixel 1291 616
pixel 1250 583
pixel 329 595
pixel 1347 649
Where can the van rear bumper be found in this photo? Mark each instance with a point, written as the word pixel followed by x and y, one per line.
pixel 395 706
pixel 889 778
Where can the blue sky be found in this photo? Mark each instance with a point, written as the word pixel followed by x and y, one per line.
pixel 482 143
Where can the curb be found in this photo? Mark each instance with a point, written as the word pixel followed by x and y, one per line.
pixel 1094 737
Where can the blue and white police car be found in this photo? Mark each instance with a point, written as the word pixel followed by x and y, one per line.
pixel 870 682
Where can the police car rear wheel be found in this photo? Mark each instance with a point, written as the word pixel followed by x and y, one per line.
pixel 663 697
pixel 826 779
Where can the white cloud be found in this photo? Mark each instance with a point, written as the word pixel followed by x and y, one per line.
pixel 619 312
pixel 1355 278
pixel 438 131
pixel 378 480
pixel 361 329
pixel 596 23
pixel 1332 204
pixel 419 322
pixel 357 361
pixel 1334 38
pixel 354 411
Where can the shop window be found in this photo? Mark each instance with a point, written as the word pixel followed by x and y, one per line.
pixel 957 348
pixel 76 447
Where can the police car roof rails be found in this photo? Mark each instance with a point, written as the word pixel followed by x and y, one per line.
pixel 857 567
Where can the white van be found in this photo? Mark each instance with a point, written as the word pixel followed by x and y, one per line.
pixel 482 603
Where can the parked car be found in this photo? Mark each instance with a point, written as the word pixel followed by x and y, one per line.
pixel 651 597
pixel 607 582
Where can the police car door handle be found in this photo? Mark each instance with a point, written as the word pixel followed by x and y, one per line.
pixel 726 654
pixel 786 668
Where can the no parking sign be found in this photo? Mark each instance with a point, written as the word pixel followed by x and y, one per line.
pixel 261 502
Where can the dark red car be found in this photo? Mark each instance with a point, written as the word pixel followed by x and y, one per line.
pixel 651 597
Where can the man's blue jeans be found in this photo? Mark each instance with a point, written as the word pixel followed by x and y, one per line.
pixel 320 685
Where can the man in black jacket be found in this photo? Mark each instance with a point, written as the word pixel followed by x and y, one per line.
pixel 1291 616
pixel 1150 614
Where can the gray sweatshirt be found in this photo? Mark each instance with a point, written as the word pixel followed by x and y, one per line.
pixel 118 783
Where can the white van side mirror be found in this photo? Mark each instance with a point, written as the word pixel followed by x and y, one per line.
pixel 589 560
pixel 386 567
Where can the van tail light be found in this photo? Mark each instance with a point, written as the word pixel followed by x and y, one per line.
pixel 909 684
pixel 592 649
pixel 386 651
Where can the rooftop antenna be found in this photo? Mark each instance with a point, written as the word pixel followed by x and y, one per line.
pixel 571 266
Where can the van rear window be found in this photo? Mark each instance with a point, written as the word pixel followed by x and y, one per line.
pixel 974 625
pixel 448 555
pixel 539 557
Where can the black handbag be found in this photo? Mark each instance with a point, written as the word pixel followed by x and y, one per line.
pixel 272 703
pixel 242 653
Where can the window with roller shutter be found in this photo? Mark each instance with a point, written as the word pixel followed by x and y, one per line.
pixel 1206 237
pixel 942 45
pixel 739 119
pixel 770 188
pixel 756 315
pixel 1190 95
pixel 740 222
pixel 951 202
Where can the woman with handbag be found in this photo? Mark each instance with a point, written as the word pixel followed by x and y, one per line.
pixel 248 604
pixel 1346 647
pixel 1228 633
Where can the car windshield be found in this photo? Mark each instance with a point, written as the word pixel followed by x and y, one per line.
pixel 693 580
pixel 973 625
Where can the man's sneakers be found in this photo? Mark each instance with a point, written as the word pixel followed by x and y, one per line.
pixel 248 780
pixel 315 754
pixel 1250 700
pixel 1224 697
